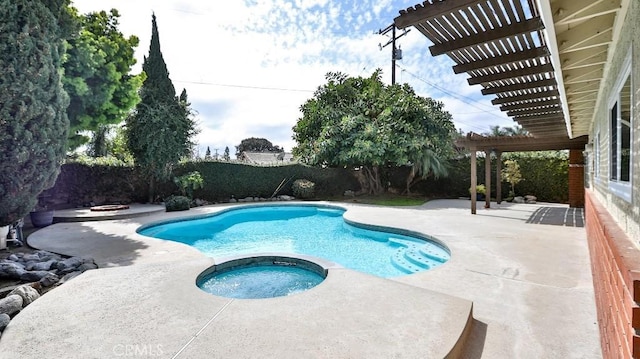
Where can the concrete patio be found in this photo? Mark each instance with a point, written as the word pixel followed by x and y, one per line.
pixel 525 268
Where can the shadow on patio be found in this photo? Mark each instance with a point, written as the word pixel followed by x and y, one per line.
pixel 569 217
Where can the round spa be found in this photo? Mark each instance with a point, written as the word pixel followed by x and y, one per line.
pixel 261 277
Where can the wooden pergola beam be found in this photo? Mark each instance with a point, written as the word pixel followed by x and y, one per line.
pixel 530 105
pixel 527 71
pixel 427 11
pixel 527 97
pixel 526 26
pixel 521 143
pixel 533 109
pixel 537 52
pixel 546 121
pixel 519 86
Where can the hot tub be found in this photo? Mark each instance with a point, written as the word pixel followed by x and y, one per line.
pixel 265 276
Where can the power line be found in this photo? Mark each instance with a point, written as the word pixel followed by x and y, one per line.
pixel 468 100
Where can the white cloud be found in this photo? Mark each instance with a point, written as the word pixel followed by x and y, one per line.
pixel 244 63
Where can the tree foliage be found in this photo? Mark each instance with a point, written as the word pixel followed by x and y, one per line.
pixel 226 156
pixel 511 174
pixel 497 131
pixel 97 74
pixel 254 144
pixel 362 123
pixel 160 131
pixel 33 123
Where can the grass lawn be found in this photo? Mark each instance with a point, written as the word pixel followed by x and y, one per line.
pixel 386 199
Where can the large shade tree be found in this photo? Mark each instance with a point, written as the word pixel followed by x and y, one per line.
pixel 160 131
pixel 97 75
pixel 255 144
pixel 364 124
pixel 33 121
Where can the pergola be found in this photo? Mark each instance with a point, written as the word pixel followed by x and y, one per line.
pixel 498 145
pixel 542 60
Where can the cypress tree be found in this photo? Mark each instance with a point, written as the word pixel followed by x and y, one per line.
pixel 159 133
pixel 33 121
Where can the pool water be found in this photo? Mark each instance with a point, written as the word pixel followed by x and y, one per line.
pixel 310 230
pixel 260 281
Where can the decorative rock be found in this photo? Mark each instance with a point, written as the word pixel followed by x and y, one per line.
pixel 34 276
pixel 349 193
pixel 11 270
pixel 11 304
pixel 13 258
pixel 46 256
pixel 247 199
pixel 233 200
pixel 48 265
pixel 285 197
pixel 31 257
pixel 27 293
pixel 69 277
pixel 518 199
pixel 49 280
pixel 87 266
pixel 530 199
pixel 68 263
pixel 4 321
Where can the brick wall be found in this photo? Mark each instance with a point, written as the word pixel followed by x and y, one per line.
pixel 576 179
pixel 615 264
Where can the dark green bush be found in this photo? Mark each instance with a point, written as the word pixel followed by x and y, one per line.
pixel 177 203
pixel 303 188
pixel 223 180
pixel 33 121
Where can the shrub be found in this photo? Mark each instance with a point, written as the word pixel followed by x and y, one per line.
pixel 189 182
pixel 33 121
pixel 177 203
pixel 303 188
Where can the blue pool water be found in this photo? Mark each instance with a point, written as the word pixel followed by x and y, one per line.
pixel 260 281
pixel 311 230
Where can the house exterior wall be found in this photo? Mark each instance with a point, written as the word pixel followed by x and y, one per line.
pixel 626 214
pixel 613 222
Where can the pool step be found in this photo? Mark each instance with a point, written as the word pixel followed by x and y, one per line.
pixel 401 242
pixel 433 254
pixel 410 260
pixel 413 255
pixel 399 261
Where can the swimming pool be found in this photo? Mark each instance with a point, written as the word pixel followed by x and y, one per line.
pixel 314 230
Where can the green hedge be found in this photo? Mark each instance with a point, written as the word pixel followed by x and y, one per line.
pixel 223 180
pixel 545 176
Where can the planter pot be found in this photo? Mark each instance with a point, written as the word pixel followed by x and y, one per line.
pixel 41 218
pixel 4 231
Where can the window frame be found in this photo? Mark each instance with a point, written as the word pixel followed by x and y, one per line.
pixel 618 187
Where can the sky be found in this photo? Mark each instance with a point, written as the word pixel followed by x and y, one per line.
pixel 248 65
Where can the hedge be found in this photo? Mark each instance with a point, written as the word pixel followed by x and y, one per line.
pixel 545 176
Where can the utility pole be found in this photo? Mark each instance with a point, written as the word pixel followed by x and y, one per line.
pixel 396 53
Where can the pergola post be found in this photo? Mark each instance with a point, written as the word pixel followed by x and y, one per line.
pixel 487 178
pixel 499 177
pixel 474 181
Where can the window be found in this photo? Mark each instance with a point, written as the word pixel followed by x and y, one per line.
pixel 620 120
pixel 596 155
